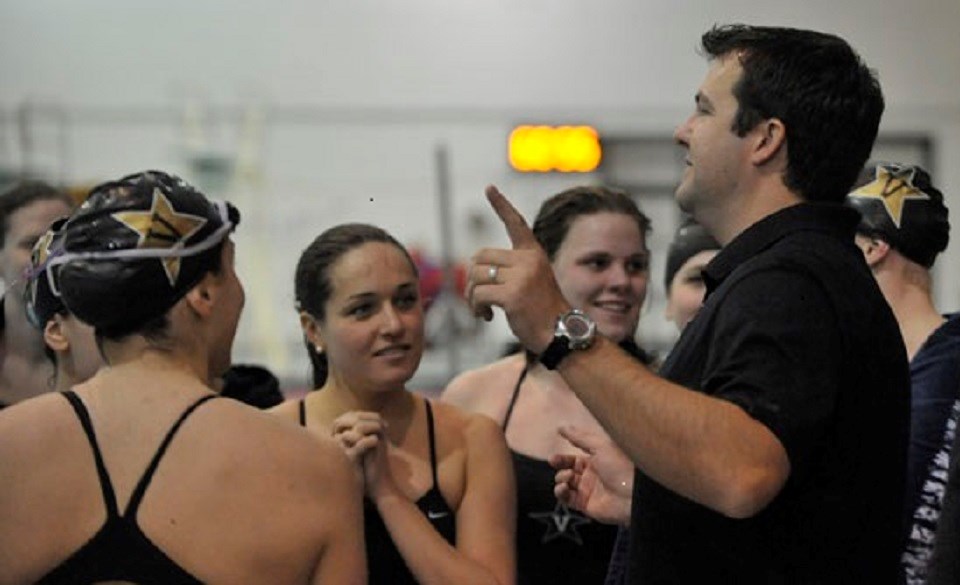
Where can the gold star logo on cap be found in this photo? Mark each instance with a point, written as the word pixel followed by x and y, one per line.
pixel 42 248
pixel 162 227
pixel 893 186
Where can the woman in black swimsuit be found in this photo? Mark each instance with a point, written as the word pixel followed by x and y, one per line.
pixel 439 496
pixel 141 474
pixel 595 238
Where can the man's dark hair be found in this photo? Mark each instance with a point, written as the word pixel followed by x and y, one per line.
pixel 23 194
pixel 817 85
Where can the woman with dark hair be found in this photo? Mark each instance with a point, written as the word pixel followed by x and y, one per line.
pixel 26 211
pixel 68 342
pixel 439 500
pixel 583 480
pixel 141 474
pixel 595 237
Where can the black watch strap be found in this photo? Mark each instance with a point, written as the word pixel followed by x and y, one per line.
pixel 558 349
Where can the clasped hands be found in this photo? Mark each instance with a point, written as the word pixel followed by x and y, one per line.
pixel 362 436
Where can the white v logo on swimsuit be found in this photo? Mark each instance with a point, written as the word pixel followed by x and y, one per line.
pixel 435 515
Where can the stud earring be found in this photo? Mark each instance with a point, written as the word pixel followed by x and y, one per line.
pixel 319 348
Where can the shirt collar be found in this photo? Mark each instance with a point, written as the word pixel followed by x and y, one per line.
pixel 830 218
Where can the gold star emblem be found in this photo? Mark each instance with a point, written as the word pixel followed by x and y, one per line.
pixel 162 227
pixel 893 186
pixel 42 248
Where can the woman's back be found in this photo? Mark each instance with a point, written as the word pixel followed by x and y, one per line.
pixel 237 497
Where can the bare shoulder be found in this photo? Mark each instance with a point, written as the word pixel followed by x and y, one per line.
pixel 471 427
pixel 486 389
pixel 477 444
pixel 297 488
pixel 288 410
pixel 275 440
pixel 30 424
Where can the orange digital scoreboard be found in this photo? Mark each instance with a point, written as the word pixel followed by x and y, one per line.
pixel 544 149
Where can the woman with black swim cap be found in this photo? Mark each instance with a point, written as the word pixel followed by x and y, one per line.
pixel 140 474
pixel 68 342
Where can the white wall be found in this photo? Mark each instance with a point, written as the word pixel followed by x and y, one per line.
pixel 350 99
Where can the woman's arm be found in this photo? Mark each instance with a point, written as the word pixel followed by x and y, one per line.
pixel 485 550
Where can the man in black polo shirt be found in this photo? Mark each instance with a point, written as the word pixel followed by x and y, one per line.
pixel 772 447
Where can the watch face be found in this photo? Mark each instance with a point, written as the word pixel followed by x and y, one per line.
pixel 578 326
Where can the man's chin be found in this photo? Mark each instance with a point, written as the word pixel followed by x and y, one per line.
pixel 683 200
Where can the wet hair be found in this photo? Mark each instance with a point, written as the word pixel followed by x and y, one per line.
pixel 558 213
pixel 135 248
pixel 690 239
pixel 23 194
pixel 920 228
pixel 312 283
pixel 818 86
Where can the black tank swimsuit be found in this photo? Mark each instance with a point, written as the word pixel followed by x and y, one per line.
pixel 120 551
pixel 385 565
pixel 555 544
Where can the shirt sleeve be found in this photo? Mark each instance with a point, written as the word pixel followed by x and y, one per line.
pixel 776 352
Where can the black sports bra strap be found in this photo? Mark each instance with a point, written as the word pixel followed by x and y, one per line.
pixel 141 488
pixel 433 449
pixel 109 497
pixel 303 413
pixel 516 393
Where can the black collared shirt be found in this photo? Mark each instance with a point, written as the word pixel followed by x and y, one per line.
pixel 795 331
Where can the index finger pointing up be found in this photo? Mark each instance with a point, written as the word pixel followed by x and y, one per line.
pixel 521 236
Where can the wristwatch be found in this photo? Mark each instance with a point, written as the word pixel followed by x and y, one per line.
pixel 574 331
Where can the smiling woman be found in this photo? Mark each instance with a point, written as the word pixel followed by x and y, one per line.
pixel 439 496
pixel 596 240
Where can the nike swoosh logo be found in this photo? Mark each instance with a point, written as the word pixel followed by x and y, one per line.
pixel 435 515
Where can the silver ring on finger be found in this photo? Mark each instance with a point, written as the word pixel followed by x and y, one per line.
pixel 492 273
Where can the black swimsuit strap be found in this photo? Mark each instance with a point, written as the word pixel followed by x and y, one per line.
pixel 516 393
pixel 109 496
pixel 141 488
pixel 433 450
pixel 628 345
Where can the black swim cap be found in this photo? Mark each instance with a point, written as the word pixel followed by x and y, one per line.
pixel 900 205
pixel 40 299
pixel 135 247
pixel 689 240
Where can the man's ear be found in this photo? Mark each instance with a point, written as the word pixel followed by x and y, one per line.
pixel 770 141
pixel 53 334
pixel 203 296
pixel 312 331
